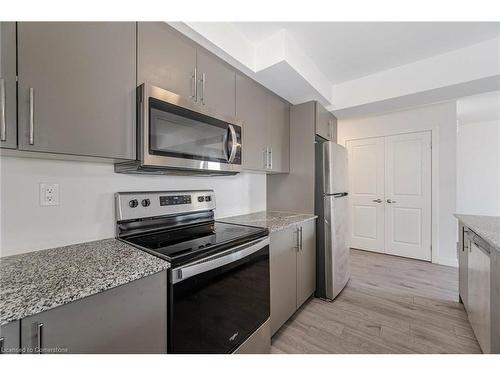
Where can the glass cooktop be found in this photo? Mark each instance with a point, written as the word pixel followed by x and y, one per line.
pixel 189 243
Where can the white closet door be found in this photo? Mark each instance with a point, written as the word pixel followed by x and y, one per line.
pixel 408 195
pixel 366 191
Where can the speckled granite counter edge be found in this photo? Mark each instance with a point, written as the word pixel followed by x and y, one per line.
pixel 274 224
pixel 38 281
pixel 492 237
pixel 285 226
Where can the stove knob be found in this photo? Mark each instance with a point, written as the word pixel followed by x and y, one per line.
pixel 145 202
pixel 133 203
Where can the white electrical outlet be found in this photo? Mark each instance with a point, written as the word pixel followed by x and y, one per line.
pixel 49 194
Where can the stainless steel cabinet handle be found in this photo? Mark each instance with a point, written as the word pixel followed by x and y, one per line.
pixel 39 337
pixel 270 160
pixel 390 201
pixel 1 344
pixel 203 85
pixel 264 157
pixel 32 117
pixel 297 239
pixel 3 121
pixel 194 88
pixel 301 242
pixel 377 200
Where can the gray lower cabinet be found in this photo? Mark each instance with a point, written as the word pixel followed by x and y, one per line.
pixel 76 88
pixel 463 255
pixel 9 337
pixel 306 262
pixel 479 294
pixel 8 115
pixel 166 58
pixel 283 278
pixel 293 270
pixel 131 318
pixel 216 84
pixel 266 127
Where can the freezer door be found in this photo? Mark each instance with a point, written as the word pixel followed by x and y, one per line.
pixel 335 164
pixel 337 269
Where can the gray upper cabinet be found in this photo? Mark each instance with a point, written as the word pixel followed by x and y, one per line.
pixel 76 89
pixel 249 98
pixel 9 338
pixel 131 318
pixel 326 123
pixel 165 58
pixel 216 84
pixel 8 125
pixel 278 123
pixel 306 262
pixel 266 127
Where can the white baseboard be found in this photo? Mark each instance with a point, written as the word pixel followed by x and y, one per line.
pixel 452 262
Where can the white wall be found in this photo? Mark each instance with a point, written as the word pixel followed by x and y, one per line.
pixel 86 210
pixel 478 154
pixel 440 119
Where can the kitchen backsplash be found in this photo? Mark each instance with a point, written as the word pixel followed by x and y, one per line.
pixel 86 206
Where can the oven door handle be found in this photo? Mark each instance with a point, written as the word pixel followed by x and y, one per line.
pixel 219 260
pixel 234 143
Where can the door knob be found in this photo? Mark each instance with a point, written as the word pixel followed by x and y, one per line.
pixel 390 201
pixel 377 200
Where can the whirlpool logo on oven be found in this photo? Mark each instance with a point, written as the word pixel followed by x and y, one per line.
pixel 233 337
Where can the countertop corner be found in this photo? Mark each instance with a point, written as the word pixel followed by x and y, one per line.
pixel 34 282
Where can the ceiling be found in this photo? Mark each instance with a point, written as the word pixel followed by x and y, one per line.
pixel 344 51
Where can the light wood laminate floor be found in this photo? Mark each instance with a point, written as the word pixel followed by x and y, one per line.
pixel 390 305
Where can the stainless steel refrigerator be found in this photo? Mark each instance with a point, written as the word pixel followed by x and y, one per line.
pixel 331 206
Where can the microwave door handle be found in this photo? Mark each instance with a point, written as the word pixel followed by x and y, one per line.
pixel 234 143
pixel 226 145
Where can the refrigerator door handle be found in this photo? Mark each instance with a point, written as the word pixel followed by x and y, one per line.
pixel 337 195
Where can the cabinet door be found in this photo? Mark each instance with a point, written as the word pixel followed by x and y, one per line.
pixel 479 295
pixel 463 254
pixel 216 84
pixel 306 262
pixel 165 58
pixel 250 100
pixel 81 77
pixel 131 318
pixel 9 338
pixel 323 122
pixel 332 125
pixel 278 120
pixel 283 268
pixel 8 123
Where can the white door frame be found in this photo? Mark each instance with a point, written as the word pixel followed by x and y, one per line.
pixel 434 182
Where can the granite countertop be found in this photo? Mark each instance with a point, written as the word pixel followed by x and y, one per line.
pixel 488 227
pixel 38 281
pixel 273 220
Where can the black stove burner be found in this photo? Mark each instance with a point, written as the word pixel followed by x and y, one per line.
pixel 191 242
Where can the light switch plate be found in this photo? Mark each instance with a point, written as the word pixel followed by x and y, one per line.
pixel 49 194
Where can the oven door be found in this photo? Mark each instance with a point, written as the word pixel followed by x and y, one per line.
pixel 176 133
pixel 216 304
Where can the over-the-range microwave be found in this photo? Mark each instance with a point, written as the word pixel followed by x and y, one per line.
pixel 178 135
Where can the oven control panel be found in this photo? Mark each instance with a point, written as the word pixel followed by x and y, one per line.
pixel 170 200
pixel 144 204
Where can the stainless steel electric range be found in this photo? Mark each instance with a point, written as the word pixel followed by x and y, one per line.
pixel 218 284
